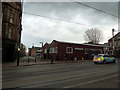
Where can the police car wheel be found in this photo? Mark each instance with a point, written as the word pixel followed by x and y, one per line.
pixel 95 62
pixel 104 62
pixel 113 61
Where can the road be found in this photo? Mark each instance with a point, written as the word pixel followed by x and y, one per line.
pixel 64 75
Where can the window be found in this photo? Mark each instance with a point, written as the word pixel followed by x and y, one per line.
pixel 89 50
pixel 110 43
pixel 118 42
pixel 86 50
pixel 45 51
pixel 53 50
pixel 10 33
pixel 11 17
pixel 8 13
pixel 11 20
pixel 69 50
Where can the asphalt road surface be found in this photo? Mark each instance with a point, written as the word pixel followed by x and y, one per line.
pixel 64 75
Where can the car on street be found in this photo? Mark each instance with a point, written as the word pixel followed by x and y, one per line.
pixel 103 58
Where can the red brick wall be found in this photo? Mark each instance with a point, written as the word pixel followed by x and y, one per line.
pixel 76 53
pixel 29 52
pixel 79 54
pixel 10 7
pixel 33 52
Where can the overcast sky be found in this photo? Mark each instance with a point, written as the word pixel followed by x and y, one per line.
pixel 41 29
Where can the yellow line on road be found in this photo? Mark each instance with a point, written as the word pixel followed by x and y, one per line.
pixel 88 82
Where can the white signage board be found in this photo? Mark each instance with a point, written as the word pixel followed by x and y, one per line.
pixel 78 48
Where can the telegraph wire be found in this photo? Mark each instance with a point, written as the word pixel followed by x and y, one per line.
pixel 96 9
pixel 64 20
pixel 56 19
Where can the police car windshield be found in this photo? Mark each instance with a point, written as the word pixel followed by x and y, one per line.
pixel 105 56
pixel 102 55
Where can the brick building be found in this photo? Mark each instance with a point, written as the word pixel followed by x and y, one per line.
pixel 29 51
pixel 22 50
pixel 35 51
pixel 11 30
pixel 46 53
pixel 69 51
pixel 116 45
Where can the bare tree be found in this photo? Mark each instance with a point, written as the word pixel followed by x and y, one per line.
pixel 93 35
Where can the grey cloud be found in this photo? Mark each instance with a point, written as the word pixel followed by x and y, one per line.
pixel 109 7
pixel 68 10
pixel 36 29
pixel 65 10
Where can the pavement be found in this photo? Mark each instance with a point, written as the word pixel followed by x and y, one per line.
pixel 41 62
pixel 14 64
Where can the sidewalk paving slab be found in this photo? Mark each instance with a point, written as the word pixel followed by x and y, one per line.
pixel 14 64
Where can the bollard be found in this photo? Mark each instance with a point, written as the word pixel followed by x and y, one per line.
pixel 82 58
pixel 28 59
pixel 52 61
pixel 18 58
pixel 35 59
pixel 75 58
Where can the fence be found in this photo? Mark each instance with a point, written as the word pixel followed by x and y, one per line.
pixel 32 59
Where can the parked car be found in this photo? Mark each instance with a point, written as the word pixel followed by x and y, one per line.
pixel 103 58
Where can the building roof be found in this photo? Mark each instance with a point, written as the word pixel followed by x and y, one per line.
pixel 117 36
pixel 35 47
pixel 99 45
pixel 46 45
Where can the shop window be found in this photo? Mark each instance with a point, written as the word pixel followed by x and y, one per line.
pixel 69 50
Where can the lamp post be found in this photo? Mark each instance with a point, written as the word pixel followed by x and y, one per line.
pixel 42 44
pixel 113 40
pixel 18 56
pixel 42 48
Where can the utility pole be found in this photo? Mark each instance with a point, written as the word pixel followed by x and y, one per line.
pixel 42 44
pixel 33 44
pixel 42 48
pixel 113 40
pixel 1 17
pixel 18 56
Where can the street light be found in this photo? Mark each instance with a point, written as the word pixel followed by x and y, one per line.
pixel 113 40
pixel 41 43
pixel 42 48
pixel 18 56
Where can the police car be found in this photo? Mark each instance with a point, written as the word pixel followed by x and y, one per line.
pixel 103 58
